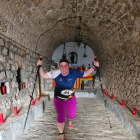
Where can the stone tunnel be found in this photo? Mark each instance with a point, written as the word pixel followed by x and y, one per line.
pixel 28 29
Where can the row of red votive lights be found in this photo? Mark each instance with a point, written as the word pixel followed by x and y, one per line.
pixel 112 97
pixel 32 101
pixel 15 110
pixel 4 88
pixel 1 115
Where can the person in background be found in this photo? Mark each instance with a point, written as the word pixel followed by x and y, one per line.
pixel 64 94
pixel 56 66
pixel 89 66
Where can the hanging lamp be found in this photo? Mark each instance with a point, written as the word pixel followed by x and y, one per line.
pixel 64 52
pixel 84 51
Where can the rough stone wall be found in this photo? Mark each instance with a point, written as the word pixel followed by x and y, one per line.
pixel 106 25
pixel 122 77
pixel 13 58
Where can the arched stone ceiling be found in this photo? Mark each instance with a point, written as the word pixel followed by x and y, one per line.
pixel 108 26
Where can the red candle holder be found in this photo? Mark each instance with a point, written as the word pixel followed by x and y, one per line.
pixel 3 89
pixel 75 68
pixel 32 102
pixel 38 98
pixel 80 68
pixel 1 118
pixel 15 110
pixel 112 97
pixel 122 102
pixel 24 85
pixel 103 90
pixel 134 111
pixel 106 93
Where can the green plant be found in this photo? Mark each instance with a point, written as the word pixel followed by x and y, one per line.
pixel 83 67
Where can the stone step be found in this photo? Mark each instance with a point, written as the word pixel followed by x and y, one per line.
pixel 13 127
pixel 123 114
pixel 91 123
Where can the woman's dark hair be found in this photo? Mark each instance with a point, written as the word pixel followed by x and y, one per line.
pixel 63 60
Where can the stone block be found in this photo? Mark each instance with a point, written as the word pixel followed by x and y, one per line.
pixel 11 55
pixel 30 68
pixel 1 42
pixel 13 48
pixel 77 94
pixel 17 58
pixel 3 27
pixel 1 67
pixel 12 62
pixel 4 51
pixel 3 59
pixel 21 52
pixel 8 66
pixel 12 76
pixel 85 94
pixel 7 45
pixel 47 88
pixel 30 73
pixel 137 24
pixel 50 85
pixel 138 88
pixel 27 62
pixel 8 74
pixel 49 81
pixel 131 67
pixel 20 61
pixel 27 57
pixel 14 84
pixel 31 79
pixel 13 68
pixel 2 75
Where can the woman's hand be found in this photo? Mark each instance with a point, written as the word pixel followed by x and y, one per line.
pixel 39 62
pixel 96 64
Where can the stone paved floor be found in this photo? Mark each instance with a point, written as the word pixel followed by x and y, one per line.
pixel 91 123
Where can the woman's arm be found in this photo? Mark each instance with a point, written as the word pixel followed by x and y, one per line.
pixel 89 71
pixel 41 71
pixel 43 74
